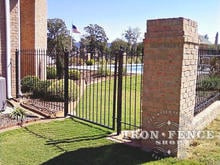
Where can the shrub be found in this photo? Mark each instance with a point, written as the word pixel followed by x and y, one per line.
pixel 103 62
pixel 28 83
pixel 134 60
pixel 211 83
pixel 51 72
pixel 139 60
pixel 90 62
pixel 74 74
pixel 130 60
pixel 40 90
pixel 60 66
pixel 103 71
pixel 76 61
pixel 56 91
pixel 18 113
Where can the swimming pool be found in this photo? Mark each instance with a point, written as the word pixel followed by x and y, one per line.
pixel 130 68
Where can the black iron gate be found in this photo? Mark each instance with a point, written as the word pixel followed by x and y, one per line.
pixel 109 90
pixel 95 87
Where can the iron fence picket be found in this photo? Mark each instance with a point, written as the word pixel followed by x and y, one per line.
pixel 34 63
pixel 97 95
pixel 204 94
pixel 95 104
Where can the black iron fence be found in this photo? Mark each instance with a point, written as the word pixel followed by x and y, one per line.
pixel 109 89
pixel 41 84
pixel 208 78
pixel 99 88
pixel 96 88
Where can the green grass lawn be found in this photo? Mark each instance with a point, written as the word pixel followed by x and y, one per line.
pixel 208 150
pixel 96 103
pixel 73 142
pixel 65 142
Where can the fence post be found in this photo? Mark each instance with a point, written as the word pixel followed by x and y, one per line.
pixel 169 84
pixel 18 74
pixel 115 90
pixel 66 78
pixel 119 100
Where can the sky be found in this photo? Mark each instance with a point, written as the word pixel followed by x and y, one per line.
pixel 116 16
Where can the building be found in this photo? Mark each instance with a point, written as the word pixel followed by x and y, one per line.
pixel 23 25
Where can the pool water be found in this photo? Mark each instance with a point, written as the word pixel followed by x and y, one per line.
pixel 130 68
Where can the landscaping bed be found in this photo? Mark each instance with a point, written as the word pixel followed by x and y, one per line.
pixel 7 121
pixel 44 108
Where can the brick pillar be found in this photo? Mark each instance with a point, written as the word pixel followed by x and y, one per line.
pixel 170 69
pixel 33 24
pixel 2 39
pixel 41 35
pixel 33 36
pixel 14 17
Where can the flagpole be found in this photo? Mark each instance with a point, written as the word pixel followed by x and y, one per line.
pixel 71 40
pixel 70 37
pixel 73 30
pixel 71 33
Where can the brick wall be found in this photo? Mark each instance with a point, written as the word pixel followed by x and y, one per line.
pixel 170 65
pixel 27 24
pixel 27 10
pixel 33 24
pixel 41 35
pixel 14 14
pixel 188 81
pixel 41 24
pixel 33 34
pixel 204 118
pixel 14 36
pixel 2 39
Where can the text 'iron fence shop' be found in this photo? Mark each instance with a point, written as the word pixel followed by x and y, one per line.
pixel 98 88
pixel 208 78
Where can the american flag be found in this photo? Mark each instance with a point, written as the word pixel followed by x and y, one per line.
pixel 74 29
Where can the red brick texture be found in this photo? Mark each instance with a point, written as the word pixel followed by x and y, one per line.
pixel 33 34
pixel 170 67
pixel 2 39
pixel 14 17
pixel 33 19
pixel 27 24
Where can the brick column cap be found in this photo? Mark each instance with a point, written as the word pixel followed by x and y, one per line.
pixel 173 28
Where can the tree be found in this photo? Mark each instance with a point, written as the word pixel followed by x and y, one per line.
pixel 58 38
pixel 140 49
pixel 95 40
pixel 115 46
pixel 132 35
